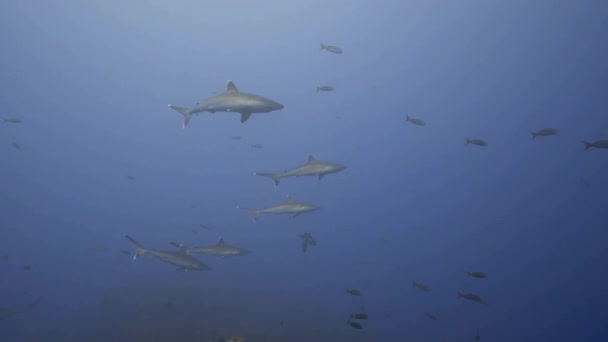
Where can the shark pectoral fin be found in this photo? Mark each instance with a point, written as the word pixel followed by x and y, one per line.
pixel 245 116
pixel 321 176
pixel 296 215
pixel 180 269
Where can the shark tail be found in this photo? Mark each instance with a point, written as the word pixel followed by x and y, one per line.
pixel 459 295
pixel 322 46
pixel 469 274
pixel 467 141
pixel 275 178
pixel 588 145
pixel 252 212
pixel 534 135
pixel 185 112
pixel 139 248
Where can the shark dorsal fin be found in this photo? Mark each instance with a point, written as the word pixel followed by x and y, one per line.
pixel 231 87
pixel 290 199
pixel 221 242
pixel 310 158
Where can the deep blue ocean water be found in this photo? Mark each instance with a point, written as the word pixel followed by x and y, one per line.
pixel 91 81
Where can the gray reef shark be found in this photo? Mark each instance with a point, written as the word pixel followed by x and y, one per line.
pixel 232 100
pixel 290 207
pixel 312 167
pixel 179 258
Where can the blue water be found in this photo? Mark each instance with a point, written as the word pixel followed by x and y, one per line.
pixel 91 81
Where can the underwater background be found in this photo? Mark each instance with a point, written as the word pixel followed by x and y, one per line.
pixel 90 152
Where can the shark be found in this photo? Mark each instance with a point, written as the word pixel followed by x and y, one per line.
pixel 312 167
pixel 14 310
pixel 179 258
pixel 289 207
pixel 222 249
pixel 231 100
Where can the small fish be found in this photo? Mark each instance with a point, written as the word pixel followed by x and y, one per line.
pixel 545 132
pixel 236 137
pixel 480 275
pixel 256 145
pixel 307 240
pixel 359 316
pixel 131 178
pixel 354 292
pixel 11 120
pixel 421 286
pixel 472 297
pixel 477 142
pixel 203 226
pixel 354 324
pixel 325 88
pixel 16 146
pixel 27 267
pixel 330 48
pixel 433 317
pixel 596 144
pixel 415 121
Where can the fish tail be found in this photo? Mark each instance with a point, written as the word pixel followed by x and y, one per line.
pixel 407 118
pixel 185 112
pixel 322 46
pixel 468 274
pixel 139 248
pixel 534 135
pixel 252 212
pixel 467 141
pixel 275 178
pixel 588 145
pixel 459 295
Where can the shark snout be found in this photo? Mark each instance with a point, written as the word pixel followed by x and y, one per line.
pixel 277 106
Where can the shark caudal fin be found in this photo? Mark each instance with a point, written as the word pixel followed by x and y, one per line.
pixel 185 112
pixel 534 135
pixel 322 46
pixel 467 141
pixel 251 211
pixel 588 145
pixel 139 249
pixel 275 178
